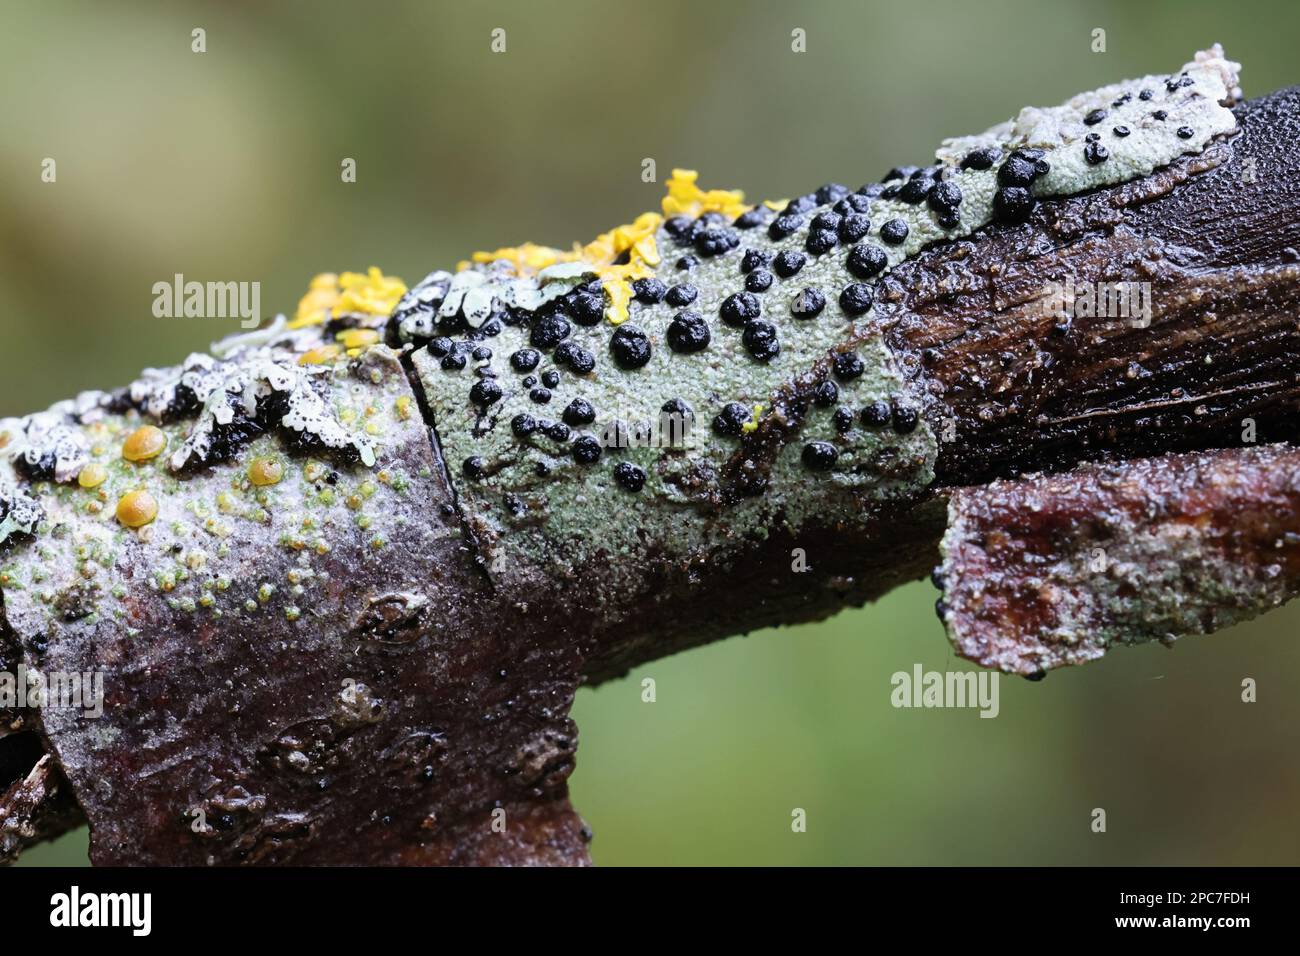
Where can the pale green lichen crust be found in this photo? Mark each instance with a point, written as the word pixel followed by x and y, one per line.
pixel 755 323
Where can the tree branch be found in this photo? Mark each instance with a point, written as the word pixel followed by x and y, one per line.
pixel 389 678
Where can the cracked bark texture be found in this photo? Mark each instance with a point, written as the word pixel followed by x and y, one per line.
pixel 427 706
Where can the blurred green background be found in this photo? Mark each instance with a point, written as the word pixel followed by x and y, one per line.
pixel 225 165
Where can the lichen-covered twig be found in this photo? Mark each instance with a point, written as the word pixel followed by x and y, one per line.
pixel 343 577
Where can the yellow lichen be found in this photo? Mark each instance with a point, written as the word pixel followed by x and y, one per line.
pixel 634 241
pixel 370 294
pixel 357 338
pixel 752 424
pixel 322 296
pixel 528 259
pixel 93 475
pixel 362 293
pixel 321 355
pixel 619 293
pixel 687 199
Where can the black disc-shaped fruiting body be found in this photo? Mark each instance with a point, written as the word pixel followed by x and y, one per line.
pixel 905 418
pixel 630 347
pixel 739 308
pixel 866 260
pixel 754 259
pixel 788 263
pixel 826 394
pixel 525 360
pixel 1095 153
pixel 485 392
pixel 982 158
pixel 523 425
pixel 682 295
pixel 629 476
pixel 549 331
pixel 876 415
pixel 856 298
pixel 854 226
pixel 945 198
pixel 848 366
pixel 716 241
pixel 784 225
pixel 894 231
pixel 731 420
pixel 760 340
pixel 579 412
pixel 586 450
pixel 575 357
pixel 819 456
pixel 1012 204
pixel 688 332
pixel 649 291
pixel 808 304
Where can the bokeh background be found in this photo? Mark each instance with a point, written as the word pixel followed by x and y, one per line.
pixel 225 165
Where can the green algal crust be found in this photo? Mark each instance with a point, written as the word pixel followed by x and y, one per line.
pixel 532 501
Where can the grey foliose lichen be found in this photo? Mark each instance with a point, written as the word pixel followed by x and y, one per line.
pixel 46 446
pixel 20 515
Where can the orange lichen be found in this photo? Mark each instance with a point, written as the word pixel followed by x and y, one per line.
pixel 265 471
pixel 137 509
pixel 144 443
